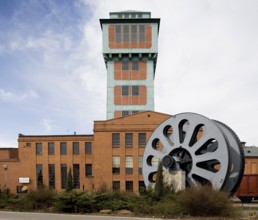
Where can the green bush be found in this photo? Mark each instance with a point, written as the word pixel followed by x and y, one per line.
pixel 205 201
pixel 42 198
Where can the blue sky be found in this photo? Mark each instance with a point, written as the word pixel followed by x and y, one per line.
pixel 53 77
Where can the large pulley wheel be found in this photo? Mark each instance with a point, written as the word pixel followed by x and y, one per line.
pixel 208 151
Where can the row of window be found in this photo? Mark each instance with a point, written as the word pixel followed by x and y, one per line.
pixel 130 65
pixel 128 164
pixel 63 148
pixel 133 15
pixel 130 33
pixel 129 140
pixel 134 90
pixel 128 186
pixel 63 169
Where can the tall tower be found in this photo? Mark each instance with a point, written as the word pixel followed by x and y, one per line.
pixel 130 50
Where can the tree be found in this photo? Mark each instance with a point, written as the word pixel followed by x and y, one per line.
pixel 69 183
pixel 159 186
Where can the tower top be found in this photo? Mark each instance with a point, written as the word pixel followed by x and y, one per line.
pixel 130 14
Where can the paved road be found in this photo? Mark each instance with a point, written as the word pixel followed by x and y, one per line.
pixel 46 216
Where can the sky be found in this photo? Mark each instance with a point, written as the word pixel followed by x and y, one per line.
pixel 53 76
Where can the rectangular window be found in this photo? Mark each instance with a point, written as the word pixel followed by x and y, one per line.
pixel 129 165
pixel 134 33
pixel 129 186
pixel 125 65
pixel 63 175
pixel 118 33
pixel 76 176
pixel 142 139
pixel 116 185
pixel 76 149
pixel 63 148
pixel 51 176
pixel 125 90
pixel 142 186
pixel 128 140
pixel 135 64
pixel 39 148
pixel 135 112
pixel 115 164
pixel 140 164
pixel 126 33
pixel 142 33
pixel 125 113
pixel 116 140
pixel 51 148
pixel 39 174
pixel 135 90
pixel 88 169
pixel 88 149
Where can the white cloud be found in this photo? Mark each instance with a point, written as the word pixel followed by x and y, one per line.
pixel 14 97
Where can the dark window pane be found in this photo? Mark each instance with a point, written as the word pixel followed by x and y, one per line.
pixel 51 148
pixel 128 164
pixel 125 113
pixel 135 90
pixel 125 90
pixel 126 33
pixel 142 33
pixel 39 148
pixel 133 33
pixel 142 139
pixel 115 140
pixel 63 148
pixel 116 185
pixel 51 175
pixel 128 139
pixel 76 176
pixel 118 33
pixel 135 65
pixel 88 169
pixel 76 150
pixel 129 186
pixel 88 149
pixel 115 164
pixel 39 173
pixel 125 65
pixel 63 175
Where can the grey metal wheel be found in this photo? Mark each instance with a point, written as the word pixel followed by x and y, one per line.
pixel 205 149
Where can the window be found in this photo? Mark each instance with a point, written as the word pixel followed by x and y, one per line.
pixel 39 148
pixel 140 164
pixel 28 144
pixel 51 148
pixel 128 164
pixel 125 113
pixel 142 33
pixel 63 175
pixel 88 169
pixel 142 139
pixel 125 90
pixel 88 149
pixel 135 112
pixel 135 90
pixel 142 186
pixel 126 33
pixel 118 33
pixel 116 185
pixel 51 175
pixel 76 176
pixel 128 139
pixel 63 148
pixel 134 33
pixel 135 65
pixel 125 65
pixel 39 173
pixel 115 140
pixel 76 150
pixel 129 186
pixel 115 165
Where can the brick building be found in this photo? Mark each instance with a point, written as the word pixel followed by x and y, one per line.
pixel 112 156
